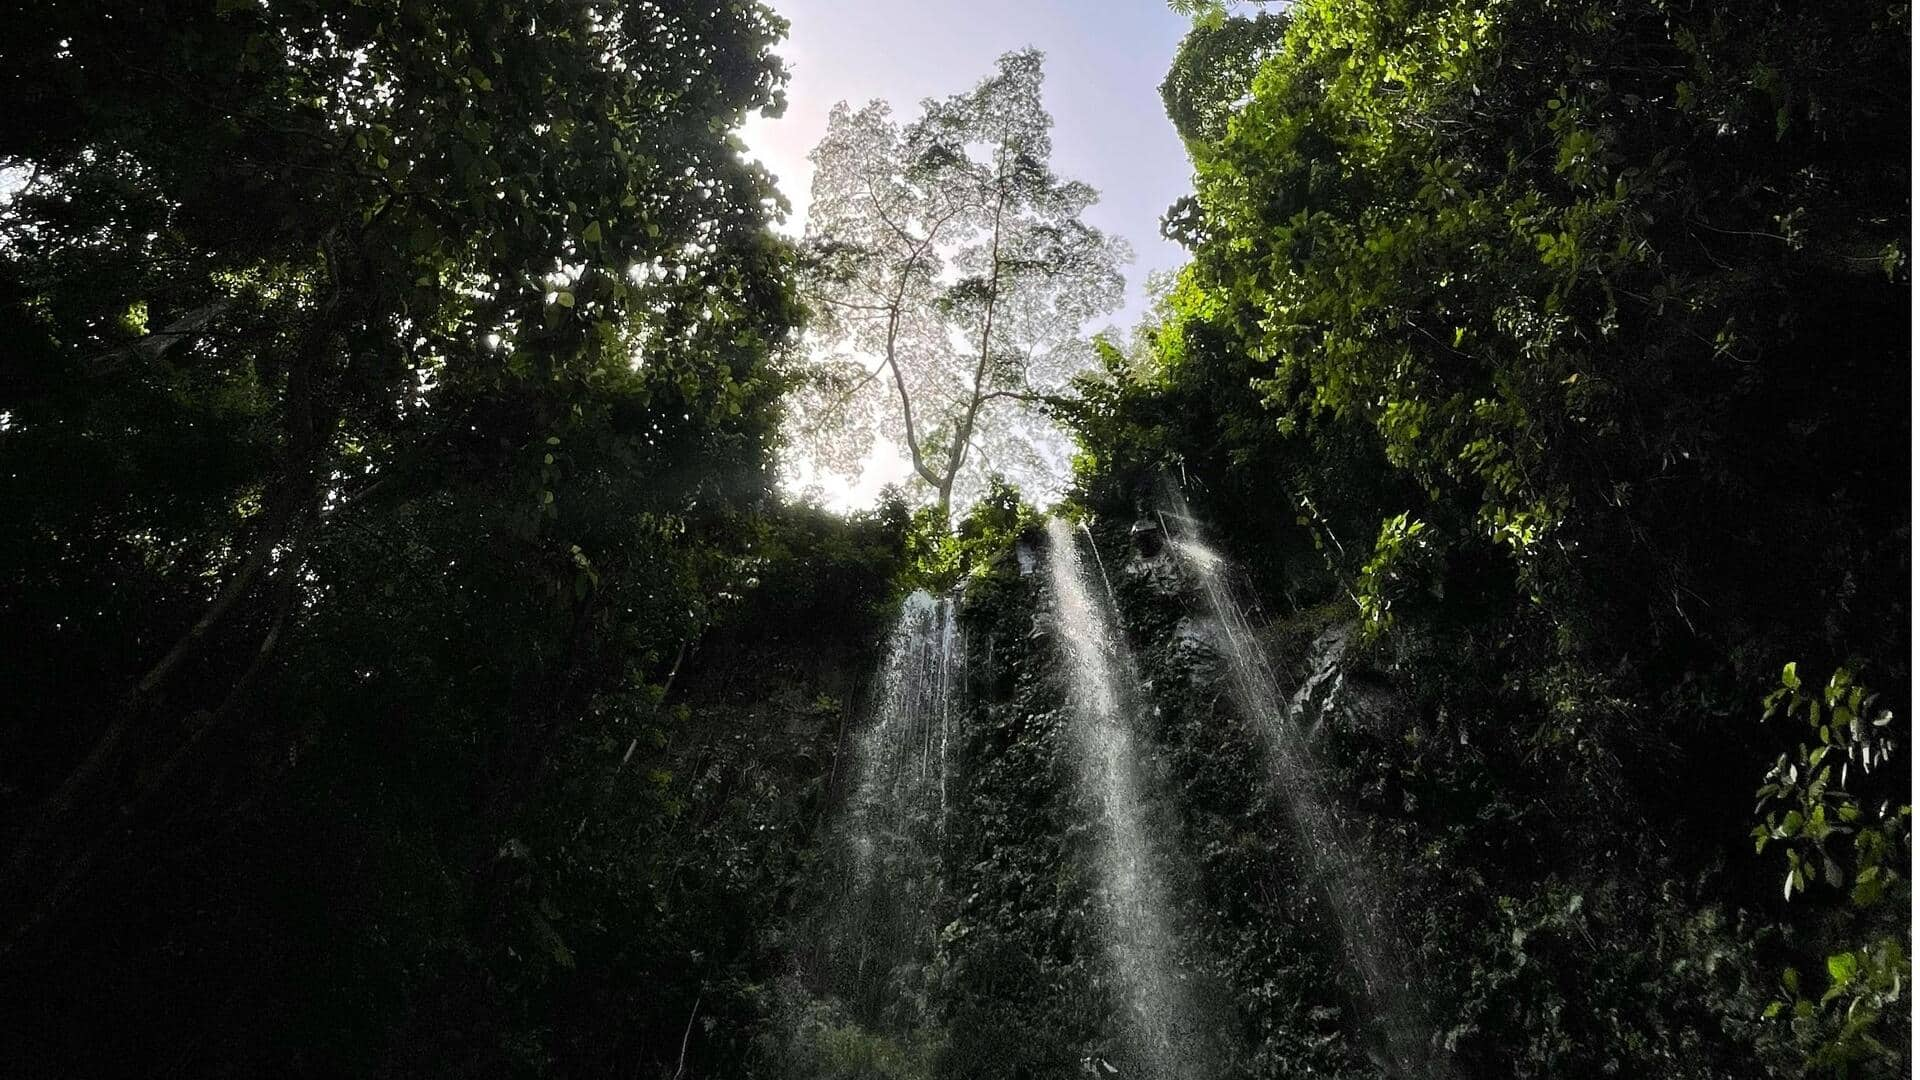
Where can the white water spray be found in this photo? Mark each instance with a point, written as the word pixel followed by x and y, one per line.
pixel 884 917
pixel 1163 1028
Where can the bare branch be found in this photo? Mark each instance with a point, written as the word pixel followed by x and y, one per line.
pixel 154 345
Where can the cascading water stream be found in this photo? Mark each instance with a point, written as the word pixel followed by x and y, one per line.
pixel 1357 896
pixel 1164 1029
pixel 883 917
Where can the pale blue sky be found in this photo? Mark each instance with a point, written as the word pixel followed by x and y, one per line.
pixel 1105 60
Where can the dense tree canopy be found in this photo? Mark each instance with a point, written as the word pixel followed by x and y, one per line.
pixel 1213 72
pixel 387 387
pixel 1572 338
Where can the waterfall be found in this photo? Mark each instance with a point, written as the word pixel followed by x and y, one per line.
pixel 883 920
pixel 1360 902
pixel 1163 1028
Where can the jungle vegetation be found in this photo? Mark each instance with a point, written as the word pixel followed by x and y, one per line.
pixel 415 669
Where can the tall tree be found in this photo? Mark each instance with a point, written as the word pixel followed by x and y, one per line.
pixel 952 279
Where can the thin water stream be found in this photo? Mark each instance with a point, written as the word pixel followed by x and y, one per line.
pixel 1361 903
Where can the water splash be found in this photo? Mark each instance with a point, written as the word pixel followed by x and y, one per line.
pixel 1360 903
pixel 1164 1029
pixel 883 919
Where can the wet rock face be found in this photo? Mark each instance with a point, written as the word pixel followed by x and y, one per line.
pixel 1194 640
pixel 1339 692
pixel 1150 561
pixel 1026 556
pixel 1353 695
pixel 1374 706
pixel 1148 538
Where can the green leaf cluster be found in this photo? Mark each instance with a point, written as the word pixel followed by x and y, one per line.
pixel 1850 844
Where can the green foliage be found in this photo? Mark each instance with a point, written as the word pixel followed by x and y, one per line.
pixel 388 410
pixel 1813 803
pixel 1855 1025
pixel 941 555
pixel 1555 292
pixel 1547 983
pixel 1212 70
pixel 409 657
pixel 810 1041
pixel 1403 547
pixel 1546 339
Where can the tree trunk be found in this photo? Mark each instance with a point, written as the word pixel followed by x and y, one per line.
pixel 963 437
